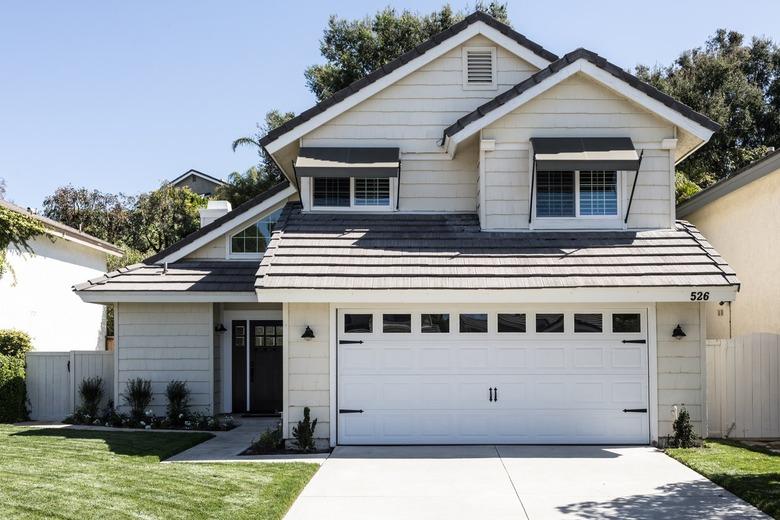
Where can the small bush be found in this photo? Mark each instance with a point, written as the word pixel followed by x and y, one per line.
pixel 14 343
pixel 684 436
pixel 13 390
pixel 269 440
pixel 91 393
pixel 178 402
pixel 138 396
pixel 304 432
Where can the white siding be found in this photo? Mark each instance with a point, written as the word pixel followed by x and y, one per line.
pixel 166 341
pixel 680 364
pixel 214 250
pixel 309 366
pixel 413 114
pixel 576 107
pixel 218 360
pixel 35 298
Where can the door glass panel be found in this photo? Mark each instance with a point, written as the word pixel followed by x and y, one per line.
pixel 549 323
pixel 511 323
pixel 396 323
pixel 588 323
pixel 435 323
pixel 258 341
pixel 626 323
pixel 270 341
pixel 259 330
pixel 473 323
pixel 358 323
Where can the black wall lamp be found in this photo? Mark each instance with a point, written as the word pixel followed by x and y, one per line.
pixel 678 333
pixel 220 328
pixel 308 333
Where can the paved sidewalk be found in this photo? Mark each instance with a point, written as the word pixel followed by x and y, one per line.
pixel 226 446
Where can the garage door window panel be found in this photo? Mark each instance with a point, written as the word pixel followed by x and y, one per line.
pixel 588 323
pixel 511 323
pixel 473 323
pixel 626 323
pixel 434 323
pixel 549 323
pixel 358 323
pixel 396 323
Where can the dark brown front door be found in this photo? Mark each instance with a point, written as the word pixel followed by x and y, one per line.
pixel 239 334
pixel 265 366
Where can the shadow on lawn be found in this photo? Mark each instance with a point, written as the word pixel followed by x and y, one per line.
pixel 161 445
pixel 680 500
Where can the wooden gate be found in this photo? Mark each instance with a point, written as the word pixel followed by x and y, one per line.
pixel 743 387
pixel 53 379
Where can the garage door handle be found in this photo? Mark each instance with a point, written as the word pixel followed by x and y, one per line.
pixel 490 394
pixel 347 410
pixel 643 341
pixel 350 341
pixel 634 410
pixel 495 394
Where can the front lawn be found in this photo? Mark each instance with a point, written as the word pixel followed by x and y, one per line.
pixel 752 475
pixel 57 473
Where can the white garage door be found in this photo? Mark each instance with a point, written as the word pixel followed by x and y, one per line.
pixel 500 375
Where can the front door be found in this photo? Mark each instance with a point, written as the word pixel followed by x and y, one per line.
pixel 257 366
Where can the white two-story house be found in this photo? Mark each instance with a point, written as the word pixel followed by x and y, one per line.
pixel 475 244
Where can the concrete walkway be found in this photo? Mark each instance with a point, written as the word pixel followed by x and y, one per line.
pixel 511 482
pixel 226 446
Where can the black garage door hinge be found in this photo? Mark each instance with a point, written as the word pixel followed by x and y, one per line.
pixel 634 410
pixel 347 410
pixel 350 341
pixel 643 341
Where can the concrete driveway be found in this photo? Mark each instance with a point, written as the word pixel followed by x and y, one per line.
pixel 517 482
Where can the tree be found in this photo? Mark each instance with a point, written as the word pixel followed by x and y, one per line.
pixel 735 84
pixel 102 215
pixel 162 217
pixel 354 48
pixel 16 231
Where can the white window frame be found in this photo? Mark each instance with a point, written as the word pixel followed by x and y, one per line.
pixel 493 64
pixel 229 254
pixel 578 220
pixel 352 206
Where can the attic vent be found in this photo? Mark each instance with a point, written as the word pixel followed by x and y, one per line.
pixel 479 68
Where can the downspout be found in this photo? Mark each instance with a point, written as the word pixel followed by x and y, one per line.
pixel 531 198
pixel 398 188
pixel 633 188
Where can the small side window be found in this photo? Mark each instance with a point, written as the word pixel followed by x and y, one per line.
pixel 473 323
pixel 588 323
pixel 396 323
pixel 358 323
pixel 549 323
pixel 626 323
pixel 434 323
pixel 511 323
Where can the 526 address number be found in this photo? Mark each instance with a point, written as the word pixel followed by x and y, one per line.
pixel 698 296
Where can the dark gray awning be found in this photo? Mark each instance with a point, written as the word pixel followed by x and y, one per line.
pixel 347 162
pixel 584 153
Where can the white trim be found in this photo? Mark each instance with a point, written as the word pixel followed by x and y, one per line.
pixel 493 85
pixel 285 370
pixel 116 354
pixel 211 361
pixel 352 208
pixel 475 29
pixel 575 294
pixel 333 349
pixel 76 240
pixel 703 369
pixel 164 296
pixel 597 74
pixel 230 225
pixel 652 367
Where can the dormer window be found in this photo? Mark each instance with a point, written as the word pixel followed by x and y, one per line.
pixel 568 194
pixel 252 241
pixel 479 68
pixel 351 192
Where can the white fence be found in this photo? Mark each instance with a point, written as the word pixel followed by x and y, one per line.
pixel 53 380
pixel 743 387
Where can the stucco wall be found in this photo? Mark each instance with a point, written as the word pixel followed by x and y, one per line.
pixel 681 373
pixel 744 227
pixel 39 299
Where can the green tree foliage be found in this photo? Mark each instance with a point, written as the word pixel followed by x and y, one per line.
pixel 102 215
pixel 162 217
pixel 735 84
pixel 16 231
pixel 684 187
pixel 14 343
pixel 13 391
pixel 354 48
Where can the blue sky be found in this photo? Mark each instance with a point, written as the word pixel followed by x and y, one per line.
pixel 121 95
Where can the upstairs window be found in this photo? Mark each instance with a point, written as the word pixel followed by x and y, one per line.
pixel 479 68
pixel 345 192
pixel 254 239
pixel 568 194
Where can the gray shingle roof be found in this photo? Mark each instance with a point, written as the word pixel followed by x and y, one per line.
pixel 338 251
pixel 181 276
pixel 559 65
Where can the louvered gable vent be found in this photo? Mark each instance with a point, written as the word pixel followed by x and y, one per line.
pixel 479 68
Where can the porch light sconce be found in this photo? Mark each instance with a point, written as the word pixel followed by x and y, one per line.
pixel 308 333
pixel 220 328
pixel 678 333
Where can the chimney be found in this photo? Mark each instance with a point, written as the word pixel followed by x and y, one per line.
pixel 213 211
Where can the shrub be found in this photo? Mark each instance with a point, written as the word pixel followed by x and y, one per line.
pixel 684 436
pixel 13 390
pixel 14 343
pixel 138 396
pixel 304 432
pixel 269 440
pixel 178 401
pixel 91 393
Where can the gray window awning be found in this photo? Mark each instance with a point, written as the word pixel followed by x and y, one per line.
pixel 584 153
pixel 348 162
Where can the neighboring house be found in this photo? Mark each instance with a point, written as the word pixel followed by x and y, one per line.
pixel 740 216
pixel 463 253
pixel 36 295
pixel 198 182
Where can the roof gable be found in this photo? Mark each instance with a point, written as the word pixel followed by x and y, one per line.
pixel 472 25
pixel 209 178
pixel 596 67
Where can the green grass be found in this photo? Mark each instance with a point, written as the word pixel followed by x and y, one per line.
pixel 751 474
pixel 79 474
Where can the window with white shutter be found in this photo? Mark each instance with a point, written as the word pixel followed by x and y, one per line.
pixel 479 68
